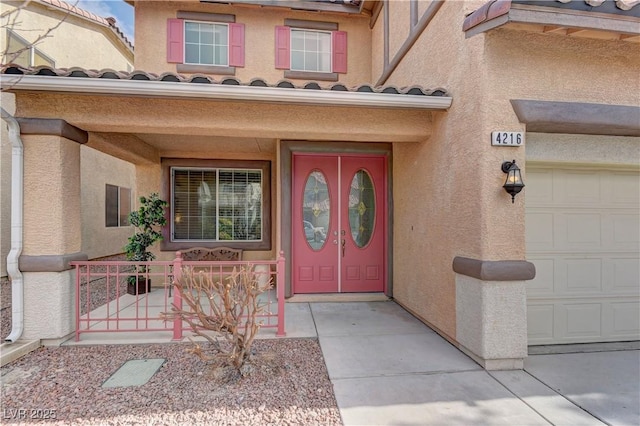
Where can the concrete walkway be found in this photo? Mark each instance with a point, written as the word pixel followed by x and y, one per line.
pixel 388 368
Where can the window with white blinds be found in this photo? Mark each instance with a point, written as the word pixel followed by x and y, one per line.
pixel 216 204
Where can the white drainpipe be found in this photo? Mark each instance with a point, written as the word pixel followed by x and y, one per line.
pixel 13 269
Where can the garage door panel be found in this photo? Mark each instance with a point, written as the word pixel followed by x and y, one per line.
pixel 540 186
pixel 539 230
pixel 580 320
pixel 624 188
pixel 625 274
pixel 626 230
pixel 582 230
pixel 540 320
pixel 543 283
pixel 578 187
pixel 626 319
pixel 583 235
pixel 583 276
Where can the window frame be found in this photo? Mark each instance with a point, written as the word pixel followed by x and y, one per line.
pixel 169 244
pixel 122 219
pixel 338 49
pixel 196 64
pixel 291 50
pixel 176 42
pixel 28 47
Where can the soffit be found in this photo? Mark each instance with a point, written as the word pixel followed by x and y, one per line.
pixel 613 20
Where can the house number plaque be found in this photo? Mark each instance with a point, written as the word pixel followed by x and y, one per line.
pixel 507 138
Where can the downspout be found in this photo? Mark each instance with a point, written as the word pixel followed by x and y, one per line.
pixel 13 269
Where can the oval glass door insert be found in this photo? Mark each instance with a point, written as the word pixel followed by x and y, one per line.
pixel 316 210
pixel 362 208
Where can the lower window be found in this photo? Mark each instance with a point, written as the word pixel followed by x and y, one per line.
pixel 218 203
pixel 117 206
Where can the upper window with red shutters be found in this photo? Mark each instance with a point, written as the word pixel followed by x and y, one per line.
pixel 205 42
pixel 311 49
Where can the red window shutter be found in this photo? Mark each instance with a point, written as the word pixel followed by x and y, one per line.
pixel 236 45
pixel 283 43
pixel 339 39
pixel 175 41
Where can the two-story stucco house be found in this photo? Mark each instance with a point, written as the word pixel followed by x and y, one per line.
pixel 358 138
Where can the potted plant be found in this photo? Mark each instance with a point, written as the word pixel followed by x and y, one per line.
pixel 146 219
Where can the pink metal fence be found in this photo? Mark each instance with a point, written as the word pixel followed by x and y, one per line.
pixel 119 296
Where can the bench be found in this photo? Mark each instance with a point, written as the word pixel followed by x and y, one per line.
pixel 218 254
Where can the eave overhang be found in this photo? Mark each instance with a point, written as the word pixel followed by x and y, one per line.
pixel 185 90
pixel 547 18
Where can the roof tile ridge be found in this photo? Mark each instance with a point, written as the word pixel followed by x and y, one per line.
pixel 61 4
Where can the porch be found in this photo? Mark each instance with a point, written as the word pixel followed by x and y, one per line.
pixel 128 299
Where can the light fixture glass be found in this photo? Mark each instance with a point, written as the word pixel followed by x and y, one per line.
pixel 513 184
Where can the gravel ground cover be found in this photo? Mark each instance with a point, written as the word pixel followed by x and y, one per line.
pixel 289 385
pixel 5 307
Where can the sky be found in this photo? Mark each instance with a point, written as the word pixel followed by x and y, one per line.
pixel 116 8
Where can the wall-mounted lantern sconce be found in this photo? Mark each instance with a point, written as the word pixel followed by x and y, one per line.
pixel 513 184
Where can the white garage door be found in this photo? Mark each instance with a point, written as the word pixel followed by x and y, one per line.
pixel 583 235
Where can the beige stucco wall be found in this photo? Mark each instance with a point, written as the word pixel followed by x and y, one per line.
pixel 96 170
pixel 260 23
pixel 231 119
pixel 377 48
pixel 399 14
pixel 76 42
pixel 434 213
pixel 462 208
pixel 51 196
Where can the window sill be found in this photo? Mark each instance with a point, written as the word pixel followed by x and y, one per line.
pixel 306 75
pixel 206 69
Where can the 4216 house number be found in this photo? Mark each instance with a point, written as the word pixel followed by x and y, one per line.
pixel 507 138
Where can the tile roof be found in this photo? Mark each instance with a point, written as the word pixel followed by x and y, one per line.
pixel 496 8
pixel 76 72
pixel 620 4
pixel 108 22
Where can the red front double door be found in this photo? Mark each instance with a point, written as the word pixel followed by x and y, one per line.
pixel 339 223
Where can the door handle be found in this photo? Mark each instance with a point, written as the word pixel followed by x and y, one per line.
pixel 343 245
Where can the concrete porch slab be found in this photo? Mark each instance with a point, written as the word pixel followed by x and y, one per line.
pixel 384 355
pixel 464 398
pixel 338 297
pixel 364 318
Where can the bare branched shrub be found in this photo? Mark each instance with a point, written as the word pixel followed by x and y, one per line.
pixel 224 312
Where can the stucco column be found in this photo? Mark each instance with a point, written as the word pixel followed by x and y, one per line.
pixel 491 311
pixel 52 226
